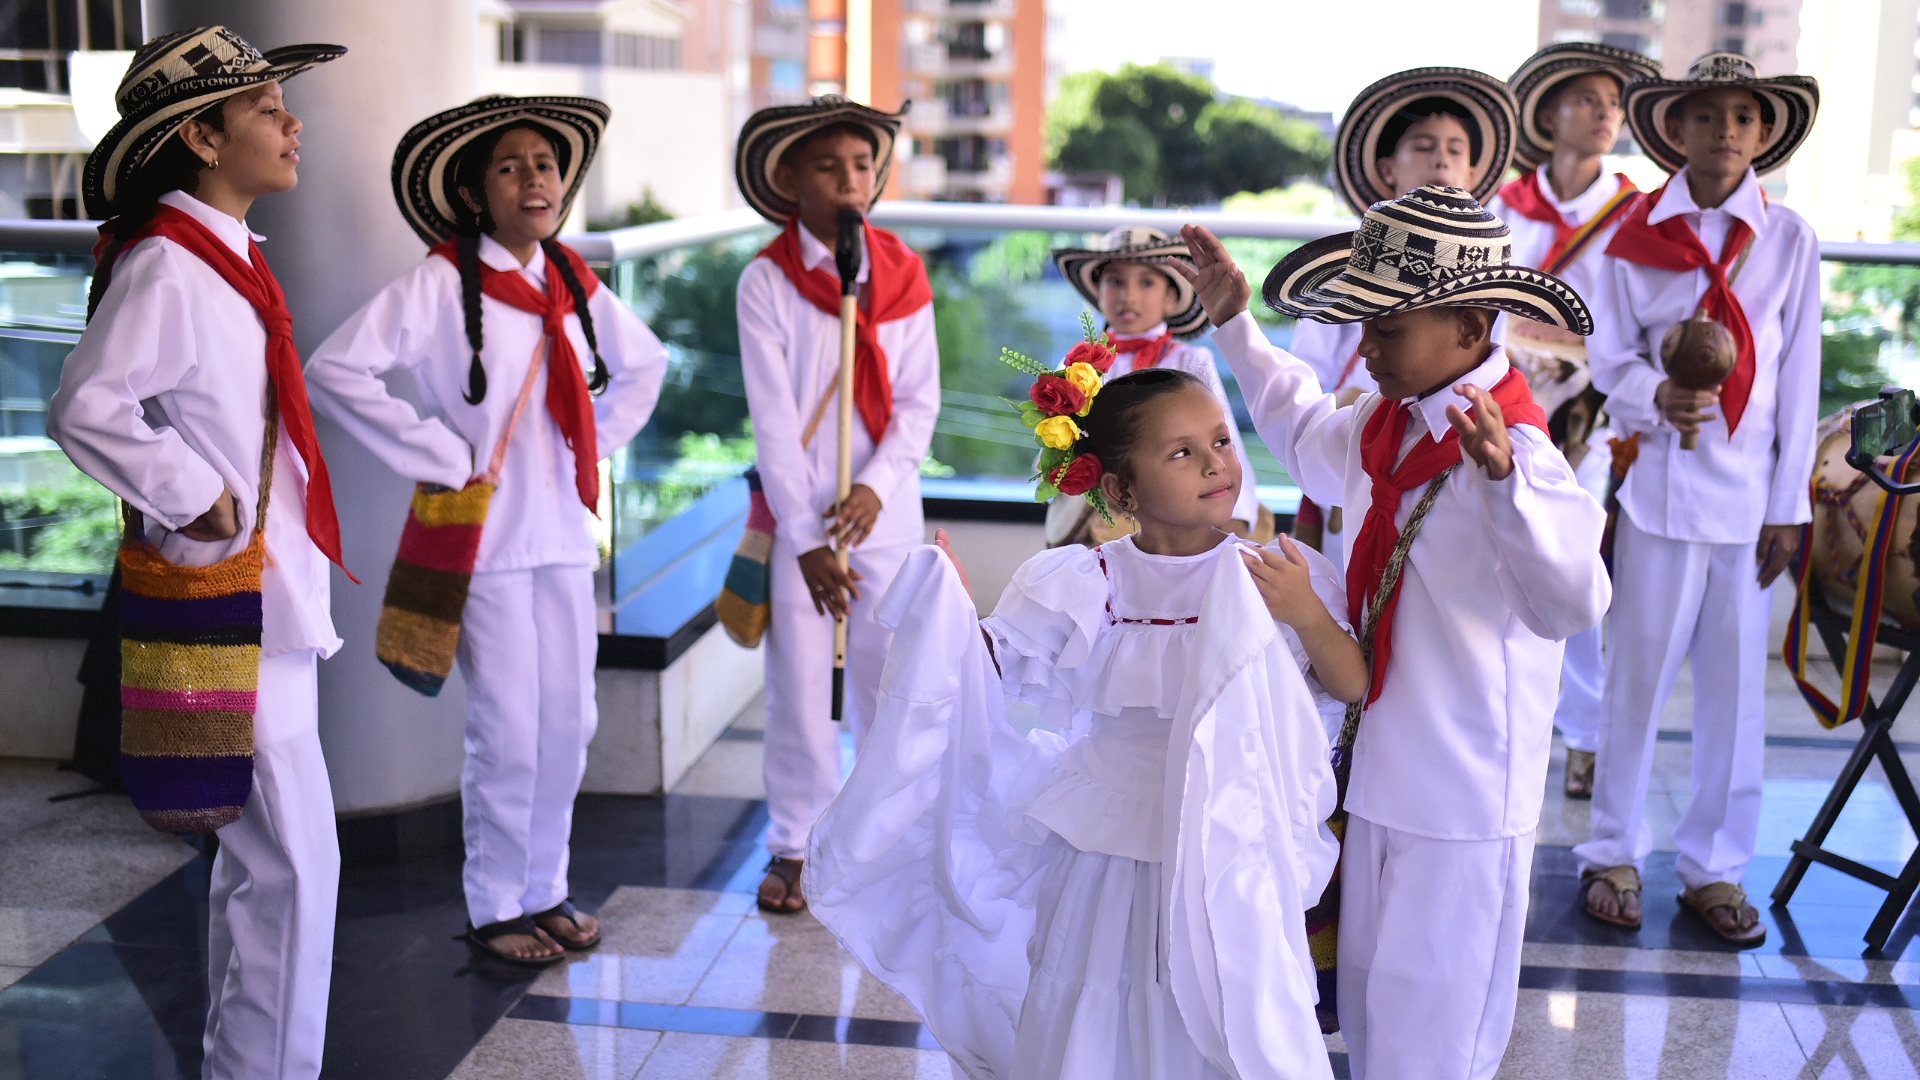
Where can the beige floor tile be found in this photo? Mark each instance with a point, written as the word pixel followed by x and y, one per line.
pixel 1616 1037
pixel 1614 958
pixel 658 957
pixel 526 1049
pixel 795 965
pixel 91 854
pixel 730 768
pixel 10 974
pixel 717 1057
pixel 29 936
pixel 1854 1044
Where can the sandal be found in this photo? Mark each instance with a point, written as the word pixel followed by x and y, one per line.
pixel 1712 897
pixel 1623 880
pixel 565 910
pixel 787 872
pixel 483 938
pixel 1579 774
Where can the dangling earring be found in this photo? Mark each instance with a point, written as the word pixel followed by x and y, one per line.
pixel 214 164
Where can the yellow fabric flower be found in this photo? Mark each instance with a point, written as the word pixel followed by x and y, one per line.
pixel 1085 378
pixel 1058 432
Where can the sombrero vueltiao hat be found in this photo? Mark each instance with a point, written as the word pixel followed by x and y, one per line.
pixel 1434 247
pixel 1356 149
pixel 428 157
pixel 1794 100
pixel 1551 68
pixel 1082 266
pixel 172 79
pixel 769 132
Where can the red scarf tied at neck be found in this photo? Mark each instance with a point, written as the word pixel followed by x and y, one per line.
pixel 1147 351
pixel 568 401
pixel 1380 443
pixel 1673 245
pixel 896 288
pixel 255 283
pixel 1525 197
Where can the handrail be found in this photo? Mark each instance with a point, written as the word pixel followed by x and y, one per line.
pixel 77 237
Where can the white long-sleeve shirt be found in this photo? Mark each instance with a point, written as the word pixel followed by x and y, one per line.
pixel 790 356
pixel 1198 362
pixel 164 402
pixel 1532 241
pixel 1503 571
pixel 417 325
pixel 1724 489
pixel 1329 349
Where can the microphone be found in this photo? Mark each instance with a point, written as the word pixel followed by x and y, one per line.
pixel 846 249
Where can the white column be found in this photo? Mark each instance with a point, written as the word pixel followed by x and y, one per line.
pixel 334 242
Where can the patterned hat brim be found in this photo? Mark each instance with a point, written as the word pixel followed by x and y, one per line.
pixel 1312 282
pixel 1795 100
pixel 769 132
pixel 1081 265
pixel 428 154
pixel 1550 68
pixel 1485 98
pixel 131 143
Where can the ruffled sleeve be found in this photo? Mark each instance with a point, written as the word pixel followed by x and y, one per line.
pixel 1046 623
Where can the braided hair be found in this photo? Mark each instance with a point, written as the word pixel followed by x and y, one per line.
pixel 469 177
pixel 173 167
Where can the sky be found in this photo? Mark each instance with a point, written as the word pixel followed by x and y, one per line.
pixel 1316 54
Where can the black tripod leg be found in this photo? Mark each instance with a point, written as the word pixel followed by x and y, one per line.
pixel 1823 822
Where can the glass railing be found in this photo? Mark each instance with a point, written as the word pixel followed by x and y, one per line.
pixel 675 486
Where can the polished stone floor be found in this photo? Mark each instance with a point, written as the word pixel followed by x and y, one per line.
pixel 102 939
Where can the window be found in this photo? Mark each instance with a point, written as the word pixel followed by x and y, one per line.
pixel 1629 10
pixel 1635 42
pixel 513 43
pixel 787 76
pixel 37 36
pixel 646 51
pixel 1735 14
pixel 1580 9
pixel 568 46
pixel 1734 45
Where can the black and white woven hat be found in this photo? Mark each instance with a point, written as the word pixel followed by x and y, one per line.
pixel 1794 100
pixel 171 80
pixel 1140 244
pixel 427 161
pixel 769 132
pixel 1356 146
pixel 1551 68
pixel 1433 247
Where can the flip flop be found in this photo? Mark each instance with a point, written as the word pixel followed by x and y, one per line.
pixel 1622 880
pixel 1725 894
pixel 565 910
pixel 483 937
pixel 788 871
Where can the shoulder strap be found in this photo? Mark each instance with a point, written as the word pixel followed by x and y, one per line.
pixel 513 419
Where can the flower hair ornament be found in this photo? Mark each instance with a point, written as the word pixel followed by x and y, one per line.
pixel 1060 396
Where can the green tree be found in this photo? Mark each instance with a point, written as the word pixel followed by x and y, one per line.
pixel 645 212
pixel 1250 147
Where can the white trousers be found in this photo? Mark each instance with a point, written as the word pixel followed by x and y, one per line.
pixel 275 884
pixel 1583 669
pixel 802 751
pixel 1430 939
pixel 528 645
pixel 1675 601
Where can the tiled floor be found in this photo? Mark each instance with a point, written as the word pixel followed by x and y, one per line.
pixel 102 926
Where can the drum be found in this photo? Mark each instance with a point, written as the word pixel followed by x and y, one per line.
pixel 1554 363
pixel 1843 505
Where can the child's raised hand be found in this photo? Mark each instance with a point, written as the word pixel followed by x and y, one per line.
pixel 940 541
pixel 1285 582
pixel 1221 287
pixel 1483 437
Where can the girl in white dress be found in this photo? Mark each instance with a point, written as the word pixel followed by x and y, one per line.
pixel 1122 897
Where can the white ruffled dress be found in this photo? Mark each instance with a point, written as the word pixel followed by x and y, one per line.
pixel 1123 898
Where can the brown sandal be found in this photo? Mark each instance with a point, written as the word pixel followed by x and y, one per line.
pixel 1712 897
pixel 787 873
pixel 486 938
pixel 1622 880
pixel 1579 774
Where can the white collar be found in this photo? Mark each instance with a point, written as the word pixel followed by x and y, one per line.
pixel 1584 206
pixel 231 230
pixel 814 254
pixel 1746 202
pixel 1433 407
pixel 1158 331
pixel 495 254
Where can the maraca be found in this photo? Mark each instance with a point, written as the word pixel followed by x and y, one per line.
pixel 1698 354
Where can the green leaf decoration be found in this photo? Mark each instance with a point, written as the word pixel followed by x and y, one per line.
pixel 1030 414
pixel 1023 363
pixel 1099 502
pixel 1051 459
pixel 1046 492
pixel 1087 328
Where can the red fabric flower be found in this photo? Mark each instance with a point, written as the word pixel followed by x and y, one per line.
pixel 1078 476
pixel 1093 353
pixel 1056 396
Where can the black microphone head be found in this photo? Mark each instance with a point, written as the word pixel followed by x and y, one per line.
pixel 846 247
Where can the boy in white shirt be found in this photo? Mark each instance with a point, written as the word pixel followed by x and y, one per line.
pixel 1703 532
pixel 800 166
pixel 1478 553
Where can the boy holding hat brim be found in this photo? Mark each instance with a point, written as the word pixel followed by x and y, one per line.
pixel 1562 212
pixel 1434 125
pixel 1477 554
pixel 1151 313
pixel 186 365
pixel 1703 532
pixel 498 329
pixel 800 166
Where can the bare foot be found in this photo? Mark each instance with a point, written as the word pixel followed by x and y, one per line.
pixel 537 946
pixel 1613 896
pixel 780 889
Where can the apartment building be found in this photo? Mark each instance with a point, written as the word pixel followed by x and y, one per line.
pixel 1675 31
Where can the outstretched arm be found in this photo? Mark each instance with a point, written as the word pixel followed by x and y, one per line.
pixel 1284 579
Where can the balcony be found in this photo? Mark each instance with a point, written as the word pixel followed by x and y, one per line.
pixel 972 10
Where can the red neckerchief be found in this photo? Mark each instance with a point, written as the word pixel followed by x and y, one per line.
pixel 1525 197
pixel 1147 351
pixel 896 287
pixel 255 283
pixel 1673 245
pixel 568 401
pixel 1380 443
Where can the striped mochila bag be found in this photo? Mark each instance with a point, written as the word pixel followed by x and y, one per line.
pixel 745 603
pixel 419 630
